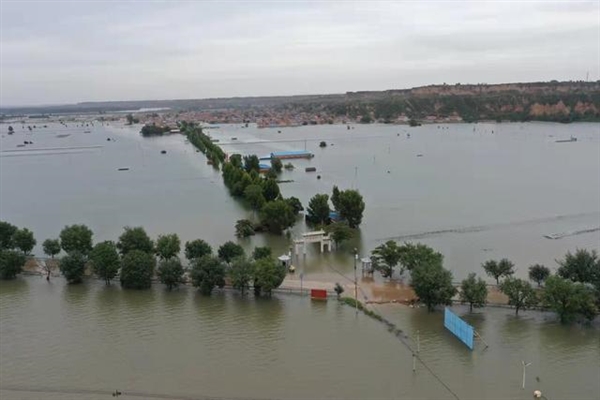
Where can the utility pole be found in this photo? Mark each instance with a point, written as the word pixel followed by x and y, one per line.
pixel 355 283
pixel 418 342
pixel 524 368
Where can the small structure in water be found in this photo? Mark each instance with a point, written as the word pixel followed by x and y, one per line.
pixel 310 169
pixel 320 237
pixel 572 139
pixel 283 155
pixel 163 152
pixel 123 169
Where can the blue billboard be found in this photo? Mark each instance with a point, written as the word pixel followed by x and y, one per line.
pixel 463 331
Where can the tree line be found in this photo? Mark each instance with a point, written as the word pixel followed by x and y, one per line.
pixel 572 292
pixel 137 259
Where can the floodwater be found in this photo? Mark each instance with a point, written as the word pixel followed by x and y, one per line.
pixel 85 341
pixel 476 192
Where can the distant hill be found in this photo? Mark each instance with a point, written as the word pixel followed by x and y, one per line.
pixel 546 101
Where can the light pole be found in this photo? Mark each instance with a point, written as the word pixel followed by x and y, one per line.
pixel 524 368
pixel 355 283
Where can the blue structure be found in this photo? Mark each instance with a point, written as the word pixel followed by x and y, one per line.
pixel 264 167
pixel 463 331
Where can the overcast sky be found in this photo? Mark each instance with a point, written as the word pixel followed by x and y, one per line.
pixel 65 52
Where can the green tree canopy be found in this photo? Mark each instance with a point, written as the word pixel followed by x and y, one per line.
pixel 244 228
pixel 168 246
pixel 76 238
pixel 197 249
pixel 7 230
pixel 208 272
pixel 251 163
pixel 268 275
pixel 270 189
pixel 569 299
pixel 11 263
pixel 170 272
pixel 387 256
pixel 276 165
pixel 262 252
pixel 538 273
pixel 498 269
pixel 520 293
pixel 72 266
pixel 413 255
pixel 339 232
pixel 23 240
pixel 351 207
pixel 241 273
pixel 51 247
pixel 295 204
pixel 229 250
pixel 137 269
pixel 473 291
pixel 277 216
pixel 254 196
pixel 318 209
pixel 335 198
pixel 105 260
pixel 583 266
pixel 135 239
pixel 433 285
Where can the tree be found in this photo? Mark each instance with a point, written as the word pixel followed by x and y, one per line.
pixel 335 198
pixel 208 272
pixel 351 207
pixel 72 266
pixel 229 250
pixel 318 209
pixel 262 252
pixel 498 269
pixel 241 273
pixel 170 272
pixel 339 289
pixel 268 275
pixel 105 260
pixel 10 130
pixel 473 291
pixel 323 144
pixel 538 273
pixel 76 238
pixel 51 247
pixel 583 266
pixel 339 232
pixel 520 293
pixel 270 189
pixel 276 165
pixel 7 230
pixel 413 255
pixel 568 298
pixel 244 228
pixel 387 256
pixel 137 269
pixel 251 163
pixel 11 263
pixel 168 246
pixel 295 204
pixel 129 119
pixel 254 196
pixel 277 216
pixel 196 249
pixel 135 239
pixel 433 285
pixel 23 240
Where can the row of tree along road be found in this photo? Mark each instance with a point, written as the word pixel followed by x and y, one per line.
pixel 573 292
pixel 136 259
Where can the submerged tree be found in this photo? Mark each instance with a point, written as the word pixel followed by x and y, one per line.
pixel 170 272
pixel 11 263
pixel 229 250
pixel 473 291
pixel 276 216
pixel 105 260
pixel 387 256
pixel 241 273
pixel 208 272
pixel 569 299
pixel 520 293
pixel 137 269
pixel 318 210
pixel 433 285
pixel 76 238
pixel 23 240
pixel 197 249
pixel 414 255
pixel 51 247
pixel 268 275
pixel 135 239
pixel 72 267
pixel 168 246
